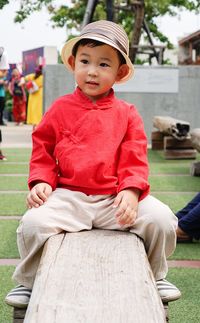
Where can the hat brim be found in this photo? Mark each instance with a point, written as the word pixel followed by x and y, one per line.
pixel 67 52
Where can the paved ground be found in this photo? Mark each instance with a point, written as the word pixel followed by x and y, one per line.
pixel 16 136
pixel 20 136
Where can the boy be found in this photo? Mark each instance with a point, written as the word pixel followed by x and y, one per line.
pixel 89 164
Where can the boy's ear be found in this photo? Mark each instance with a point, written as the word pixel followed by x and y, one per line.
pixel 71 61
pixel 122 72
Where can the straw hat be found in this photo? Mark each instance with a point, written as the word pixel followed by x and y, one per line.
pixel 3 60
pixel 106 32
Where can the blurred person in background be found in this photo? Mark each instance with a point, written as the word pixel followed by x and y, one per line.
pixel 16 89
pixel 4 67
pixel 35 99
pixel 2 157
pixel 189 221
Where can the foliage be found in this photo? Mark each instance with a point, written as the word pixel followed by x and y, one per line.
pixel 71 15
pixel 3 3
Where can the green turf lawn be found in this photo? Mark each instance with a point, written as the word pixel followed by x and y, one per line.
pixel 172 169
pixel 12 204
pixel 6 284
pixel 16 155
pixel 174 183
pixel 8 245
pixel 12 183
pixel 187 308
pixel 187 251
pixel 175 200
pixel 14 168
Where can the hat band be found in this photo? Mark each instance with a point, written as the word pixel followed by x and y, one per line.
pixel 113 40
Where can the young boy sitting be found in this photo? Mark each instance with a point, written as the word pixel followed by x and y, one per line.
pixel 89 164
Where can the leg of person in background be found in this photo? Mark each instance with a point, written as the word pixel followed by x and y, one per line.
pixel 189 221
pixel 19 110
pixel 2 157
pixel 2 106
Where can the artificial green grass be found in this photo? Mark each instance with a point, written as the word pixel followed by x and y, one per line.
pixel 172 169
pixel 176 201
pixel 187 308
pixel 13 183
pixel 12 204
pixel 6 285
pixel 186 251
pixel 17 155
pixel 14 168
pixel 8 245
pixel 23 158
pixel 17 151
pixel 174 183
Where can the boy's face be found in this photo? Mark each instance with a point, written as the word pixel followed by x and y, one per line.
pixel 96 69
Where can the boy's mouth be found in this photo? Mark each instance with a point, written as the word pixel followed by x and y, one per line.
pixel 92 83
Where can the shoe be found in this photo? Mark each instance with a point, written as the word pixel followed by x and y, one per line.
pixel 182 236
pixel 19 297
pixel 2 157
pixel 184 240
pixel 168 292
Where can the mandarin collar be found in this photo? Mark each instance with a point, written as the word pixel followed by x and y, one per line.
pixel 102 104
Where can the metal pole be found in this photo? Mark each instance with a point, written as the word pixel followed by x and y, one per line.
pixel 91 5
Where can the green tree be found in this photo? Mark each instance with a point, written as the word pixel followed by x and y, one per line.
pixel 71 14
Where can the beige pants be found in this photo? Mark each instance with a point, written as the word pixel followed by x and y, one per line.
pixel 74 211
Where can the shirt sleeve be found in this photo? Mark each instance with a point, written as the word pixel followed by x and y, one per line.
pixel 43 167
pixel 133 167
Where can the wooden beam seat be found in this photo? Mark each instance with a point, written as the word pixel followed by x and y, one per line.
pixel 97 276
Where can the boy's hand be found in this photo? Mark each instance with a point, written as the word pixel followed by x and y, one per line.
pixel 127 203
pixel 38 195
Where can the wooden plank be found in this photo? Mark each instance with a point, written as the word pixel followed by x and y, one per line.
pixel 96 276
pixel 18 315
pixel 195 138
pixel 195 169
pixel 157 138
pixel 180 154
pixel 157 135
pixel 173 143
pixel 157 145
pixel 166 308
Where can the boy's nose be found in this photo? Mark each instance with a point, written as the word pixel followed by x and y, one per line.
pixel 92 71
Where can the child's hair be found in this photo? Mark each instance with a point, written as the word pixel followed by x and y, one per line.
pixel 95 43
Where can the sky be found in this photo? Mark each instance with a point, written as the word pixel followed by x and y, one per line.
pixel 37 31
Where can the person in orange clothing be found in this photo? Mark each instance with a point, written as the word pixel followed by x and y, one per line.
pixel 89 164
pixel 16 89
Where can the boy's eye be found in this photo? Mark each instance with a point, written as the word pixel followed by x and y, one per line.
pixel 104 65
pixel 84 61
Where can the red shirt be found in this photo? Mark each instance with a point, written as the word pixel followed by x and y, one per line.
pixel 94 148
